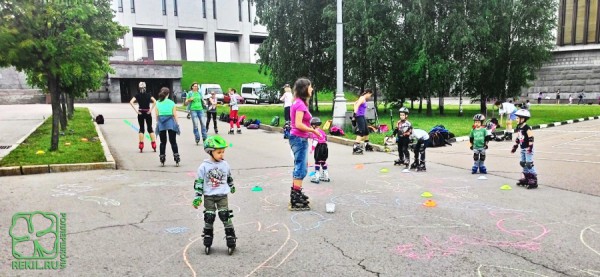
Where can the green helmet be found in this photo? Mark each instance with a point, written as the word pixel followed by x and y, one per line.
pixel 214 142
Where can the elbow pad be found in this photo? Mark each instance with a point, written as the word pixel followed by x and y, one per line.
pixel 471 139
pixel 199 184
pixel 229 180
pixel 530 140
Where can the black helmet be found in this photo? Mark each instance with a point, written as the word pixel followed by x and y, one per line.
pixel 315 121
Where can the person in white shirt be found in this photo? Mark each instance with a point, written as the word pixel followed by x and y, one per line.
pixel 422 139
pixel 287 98
pixel 507 108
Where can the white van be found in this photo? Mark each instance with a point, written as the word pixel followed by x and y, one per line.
pixel 252 92
pixel 206 89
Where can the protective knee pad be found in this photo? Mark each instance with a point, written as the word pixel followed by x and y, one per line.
pixel 522 163
pixel 209 217
pixel 476 156
pixel 529 165
pixel 225 215
pixel 482 157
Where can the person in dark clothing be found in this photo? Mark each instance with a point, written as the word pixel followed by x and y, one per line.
pixel 144 114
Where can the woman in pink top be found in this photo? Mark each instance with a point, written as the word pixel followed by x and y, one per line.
pixel 300 117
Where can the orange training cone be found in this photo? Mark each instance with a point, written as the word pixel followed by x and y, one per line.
pixel 429 203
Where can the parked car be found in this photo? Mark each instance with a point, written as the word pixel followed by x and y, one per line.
pixel 259 93
pixel 206 89
pixel 239 98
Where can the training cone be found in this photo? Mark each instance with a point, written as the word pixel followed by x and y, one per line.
pixel 359 166
pixel 256 188
pixel 84 139
pixel 426 194
pixel 312 173
pixel 505 187
pixel 384 170
pixel 482 178
pixel 405 171
pixel 40 152
pixel 429 203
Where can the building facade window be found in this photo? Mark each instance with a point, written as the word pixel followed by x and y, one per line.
pixel 578 22
pixel 164 7
pixel 132 6
pixel 203 8
pixel 175 7
pixel 214 9
pixel 120 4
pixel 249 10
pixel 240 9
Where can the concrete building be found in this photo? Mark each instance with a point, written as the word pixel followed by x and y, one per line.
pixel 162 33
pixel 575 65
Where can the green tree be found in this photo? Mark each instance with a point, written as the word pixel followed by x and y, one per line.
pixel 299 44
pixel 62 45
pixel 513 38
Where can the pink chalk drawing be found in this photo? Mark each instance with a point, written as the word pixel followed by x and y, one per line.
pixel 527 235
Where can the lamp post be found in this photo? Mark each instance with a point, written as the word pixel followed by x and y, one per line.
pixel 339 107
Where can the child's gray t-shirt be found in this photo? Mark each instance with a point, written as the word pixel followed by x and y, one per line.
pixel 215 176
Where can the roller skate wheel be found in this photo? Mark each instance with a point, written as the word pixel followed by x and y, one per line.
pixel 230 250
pixel 207 250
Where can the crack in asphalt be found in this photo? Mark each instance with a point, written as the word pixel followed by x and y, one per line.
pixel 106 227
pixel 147 214
pixel 531 261
pixel 359 263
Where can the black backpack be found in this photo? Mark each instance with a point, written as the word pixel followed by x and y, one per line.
pixel 440 136
pixel 100 119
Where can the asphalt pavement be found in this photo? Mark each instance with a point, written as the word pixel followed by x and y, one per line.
pixel 138 220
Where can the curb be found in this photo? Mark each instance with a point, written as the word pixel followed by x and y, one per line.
pixel 52 168
pixel 393 148
pixel 543 126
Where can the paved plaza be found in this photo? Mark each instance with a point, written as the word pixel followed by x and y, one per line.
pixel 138 220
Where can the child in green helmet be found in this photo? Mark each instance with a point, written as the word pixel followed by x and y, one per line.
pixel 215 183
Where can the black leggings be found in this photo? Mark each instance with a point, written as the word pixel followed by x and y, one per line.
pixel 403 152
pixel 172 140
pixel 214 117
pixel 145 117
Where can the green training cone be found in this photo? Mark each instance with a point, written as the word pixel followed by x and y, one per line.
pixel 256 188
pixel 505 187
pixel 426 194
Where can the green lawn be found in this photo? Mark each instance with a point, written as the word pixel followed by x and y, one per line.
pixel 77 152
pixel 460 126
pixel 228 75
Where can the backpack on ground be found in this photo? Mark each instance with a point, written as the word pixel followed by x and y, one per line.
pixel 440 136
pixel 100 119
pixel 242 119
pixel 275 121
pixel 336 131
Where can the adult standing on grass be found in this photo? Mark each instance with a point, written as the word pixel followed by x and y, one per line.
pixel 144 114
pixel 167 124
pixel 580 98
pixel 287 98
pixel 196 103
pixel 540 97
pixel 301 129
pixel 362 130
pixel 507 108
pixel 212 111
pixel 558 97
